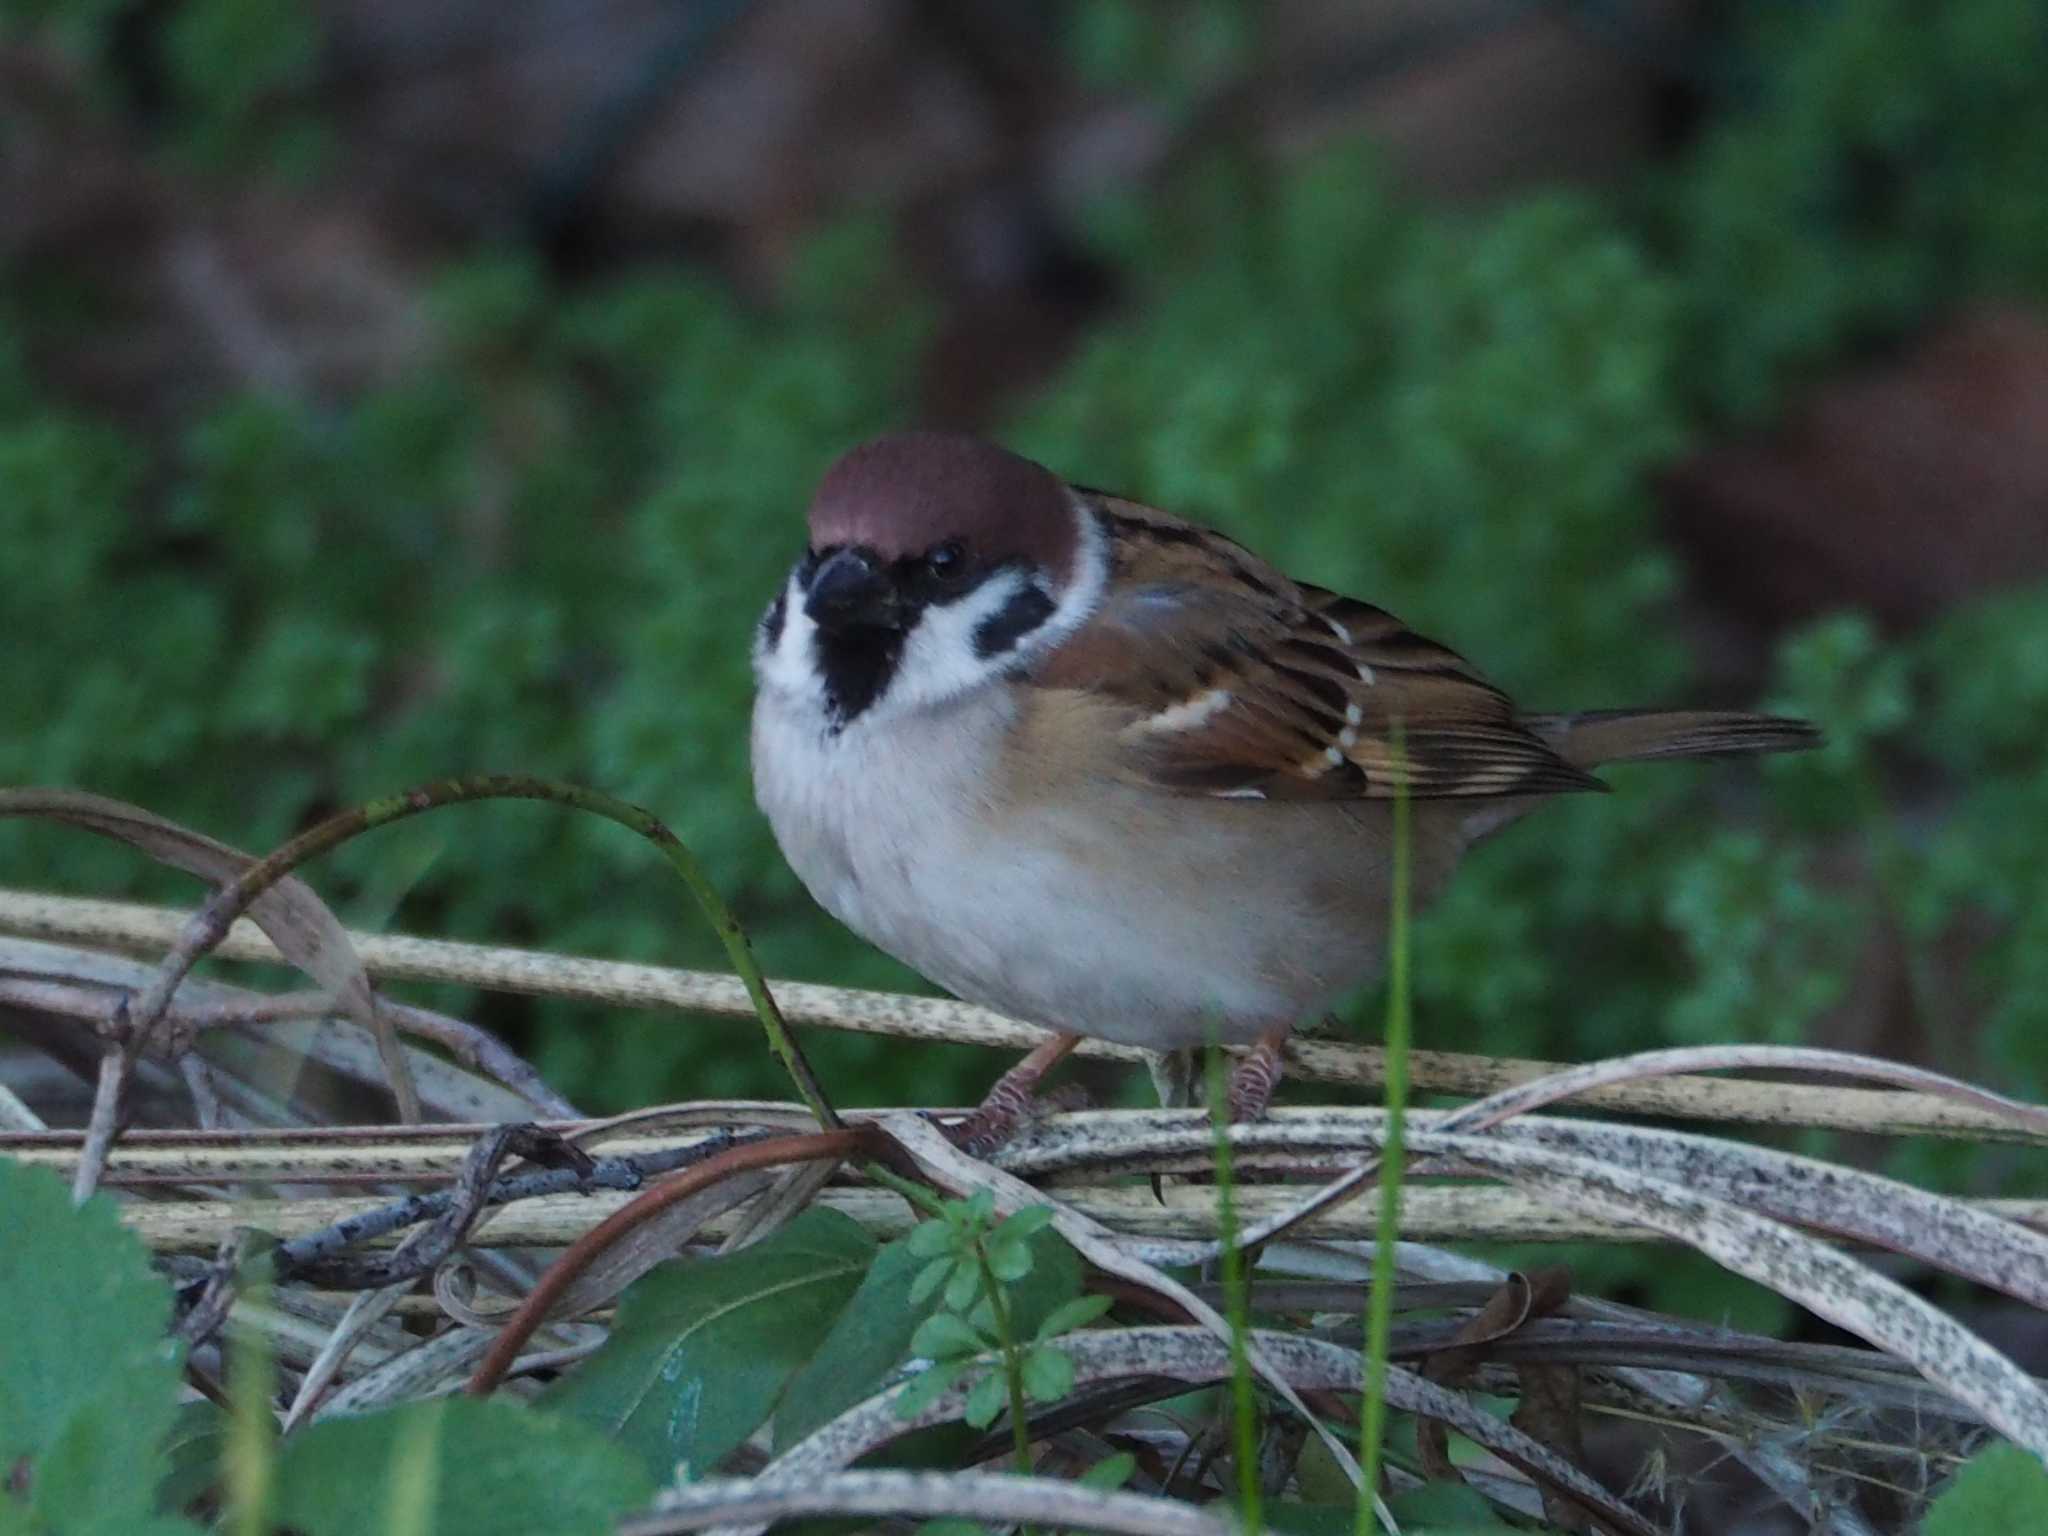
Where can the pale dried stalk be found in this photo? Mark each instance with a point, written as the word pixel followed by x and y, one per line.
pixel 289 913
pixel 1183 1212
pixel 1195 1356
pixel 1824 1196
pixel 984 1497
pixel 1438 1214
pixel 145 929
pixel 15 1115
pixel 89 986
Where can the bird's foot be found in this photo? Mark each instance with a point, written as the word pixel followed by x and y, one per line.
pixel 1256 1076
pixel 1011 1101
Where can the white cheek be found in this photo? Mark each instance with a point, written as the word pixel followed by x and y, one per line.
pixel 939 660
pixel 786 667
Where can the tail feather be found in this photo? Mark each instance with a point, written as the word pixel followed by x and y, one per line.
pixel 1591 737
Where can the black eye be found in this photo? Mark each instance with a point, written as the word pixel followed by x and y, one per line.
pixel 945 561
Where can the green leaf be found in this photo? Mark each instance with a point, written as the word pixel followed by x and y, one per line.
pixel 2000 1489
pixel 868 1339
pixel 981 1205
pixel 931 1239
pixel 485 1468
pixel 928 1386
pixel 1048 1374
pixel 962 1287
pixel 986 1399
pixel 1313 1519
pixel 81 1481
pixel 945 1335
pixel 929 1279
pixel 198 1434
pixel 1110 1472
pixel 1008 1262
pixel 1054 1280
pixel 88 1380
pixel 1018 1225
pixel 702 1349
pixel 1078 1313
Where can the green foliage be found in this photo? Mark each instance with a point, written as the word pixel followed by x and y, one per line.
pixel 235 66
pixel 1128 44
pixel 2000 1489
pixel 87 1377
pixel 864 1345
pixel 1006 1289
pixel 327 606
pixel 1879 165
pixel 456 1467
pixel 703 1349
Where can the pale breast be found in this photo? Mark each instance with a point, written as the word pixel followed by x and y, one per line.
pixel 1100 907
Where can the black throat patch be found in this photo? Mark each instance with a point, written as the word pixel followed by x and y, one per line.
pixel 855 666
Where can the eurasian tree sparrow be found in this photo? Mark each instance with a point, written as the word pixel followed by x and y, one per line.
pixel 1107 771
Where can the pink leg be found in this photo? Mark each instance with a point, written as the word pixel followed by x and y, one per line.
pixel 1257 1075
pixel 1000 1114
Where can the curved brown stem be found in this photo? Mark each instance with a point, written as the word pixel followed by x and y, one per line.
pixel 584 1251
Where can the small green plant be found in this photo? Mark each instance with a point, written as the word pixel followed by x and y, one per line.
pixel 973 1264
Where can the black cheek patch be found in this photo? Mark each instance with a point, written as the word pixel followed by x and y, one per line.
pixel 1012 622
pixel 771 621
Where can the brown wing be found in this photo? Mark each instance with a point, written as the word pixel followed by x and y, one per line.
pixel 1241 682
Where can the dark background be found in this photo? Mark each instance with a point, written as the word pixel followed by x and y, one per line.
pixel 390 391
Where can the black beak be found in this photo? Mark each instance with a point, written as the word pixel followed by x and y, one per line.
pixel 849 591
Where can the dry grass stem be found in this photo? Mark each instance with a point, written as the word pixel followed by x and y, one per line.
pixel 146 930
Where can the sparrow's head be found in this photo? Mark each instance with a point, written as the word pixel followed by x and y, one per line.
pixel 937 563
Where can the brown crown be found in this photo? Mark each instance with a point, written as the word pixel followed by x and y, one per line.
pixel 902 494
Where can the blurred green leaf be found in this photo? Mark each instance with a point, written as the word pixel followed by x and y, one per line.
pixel 489 1466
pixel 1048 1373
pixel 702 1348
pixel 1078 1313
pixel 88 1377
pixel 986 1398
pixel 2000 1489
pixel 868 1340
pixel 945 1335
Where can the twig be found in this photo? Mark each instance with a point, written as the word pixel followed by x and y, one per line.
pixel 104 1122
pixel 17 1116
pixel 206 1110
pixel 458 1209
pixel 291 915
pixel 1195 1356
pixel 365 1309
pixel 980 1496
pixel 538 973
pixel 315 1259
pixel 1175 1228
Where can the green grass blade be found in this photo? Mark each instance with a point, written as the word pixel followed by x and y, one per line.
pixel 1380 1304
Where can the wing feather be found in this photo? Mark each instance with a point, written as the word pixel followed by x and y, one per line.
pixel 1237 681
